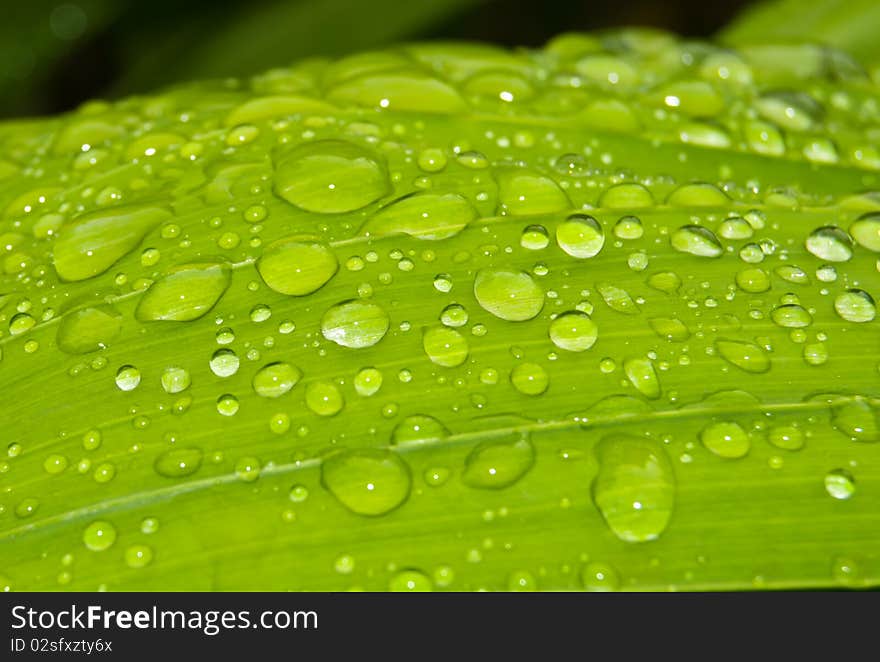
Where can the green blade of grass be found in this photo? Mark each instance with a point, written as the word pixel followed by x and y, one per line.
pixel 719 432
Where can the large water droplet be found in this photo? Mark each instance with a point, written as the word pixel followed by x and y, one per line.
pixel 791 316
pixel 522 192
pixel 423 215
pixel 830 243
pixel 367 482
pixel 418 429
pixel 744 355
pixel 529 379
pixel 127 378
pixel 297 266
pixel 617 299
pixel 696 240
pixel 510 295
pixel 840 484
pixel 330 177
pixel 88 329
pixel 99 536
pixel 175 379
pixel 866 231
pixel 355 324
pixel 186 293
pixel 580 236
pixel 855 306
pixel 276 379
pixel 499 463
pixel 444 346
pixel 642 375
pixel 573 331
pixel 368 381
pixel 324 398
pixel 94 242
pixel 726 439
pixel 634 488
pixel 670 328
pixel 178 462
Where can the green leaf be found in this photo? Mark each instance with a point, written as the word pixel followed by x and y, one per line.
pixel 850 25
pixel 600 316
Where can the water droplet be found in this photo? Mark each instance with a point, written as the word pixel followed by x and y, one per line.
pixel 634 488
pixel 443 283
pixel 186 293
pixel 178 462
pixel 276 379
pixel 227 405
pixel 355 324
pixel 670 328
pixel 840 484
pixel 247 469
pixel 367 482
pixel 855 306
pixel 418 429
pixel 432 159
pixel 127 378
pixel 224 363
pixel 866 231
pixel 138 556
pixel 599 577
pixel 454 315
pixel 573 331
pixel 753 280
pixel 534 237
pixel 786 437
pixel 830 243
pixel 175 379
pixel 696 240
pixel 744 355
pixel 617 299
pixel 642 375
pixel 509 295
pixel 410 581
pixel 522 192
pixel 330 177
pixel 88 329
pixel 522 580
pixel 726 440
pixel 428 216
pixel 529 379
pixel 20 323
pixel 367 382
pixel 499 463
pixel 795 111
pixel 444 346
pixel 735 228
pixel 580 236
pixel 94 242
pixel 297 267
pixel 628 227
pixel 791 316
pixel 99 536
pixel 324 399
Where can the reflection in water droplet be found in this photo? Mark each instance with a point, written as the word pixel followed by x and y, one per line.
pixel 855 306
pixel 418 429
pixel 529 379
pixel 744 355
pixel 324 399
pixel 499 463
pixel 127 378
pixel 99 536
pixel 642 375
pixel 367 382
pixel 696 240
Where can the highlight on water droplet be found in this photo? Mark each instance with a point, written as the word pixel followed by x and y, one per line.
pixel 830 243
pixel 275 379
pixel 175 379
pixel 529 378
pixel 696 240
pixel 99 536
pixel 744 355
pixel 726 439
pixel 324 398
pixel 855 306
pixel 368 381
pixel 178 462
pixel 127 378
pixel 444 346
pixel 840 484
pixel 580 236
pixel 643 376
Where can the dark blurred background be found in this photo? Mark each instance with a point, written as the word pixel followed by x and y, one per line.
pixel 56 54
